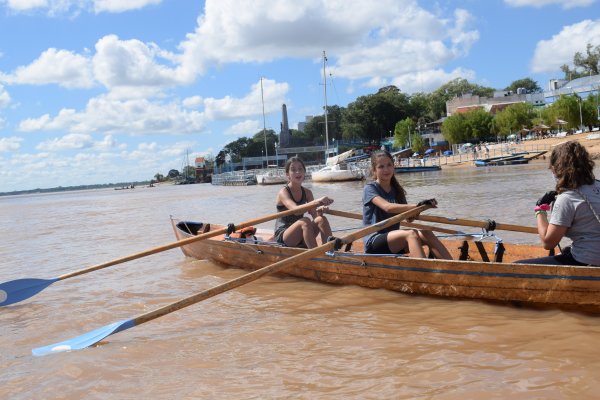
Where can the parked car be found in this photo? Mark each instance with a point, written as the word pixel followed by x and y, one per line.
pixel 448 153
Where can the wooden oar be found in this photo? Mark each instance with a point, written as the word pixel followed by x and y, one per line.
pixel 21 289
pixel 449 221
pixel 352 215
pixel 477 224
pixel 97 335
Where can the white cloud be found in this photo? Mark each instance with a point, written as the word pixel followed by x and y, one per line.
pixel 192 102
pixel 10 144
pixel 4 97
pixel 371 40
pixel 429 80
pixel 566 4
pixel 110 116
pixel 58 7
pixel 245 128
pixel 229 107
pixel 550 55
pixel 67 142
pixel 131 65
pixel 24 5
pixel 60 67
pixel 115 6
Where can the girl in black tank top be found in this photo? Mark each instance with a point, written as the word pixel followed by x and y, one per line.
pixel 300 230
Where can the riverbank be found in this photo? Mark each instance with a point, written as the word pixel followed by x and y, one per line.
pixel 592 146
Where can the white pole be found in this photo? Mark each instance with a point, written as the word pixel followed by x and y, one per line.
pixel 325 95
pixel 264 120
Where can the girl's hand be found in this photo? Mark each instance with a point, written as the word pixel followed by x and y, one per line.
pixel 325 201
pixel 321 210
pixel 429 202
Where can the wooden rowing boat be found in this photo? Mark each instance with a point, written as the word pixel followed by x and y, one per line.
pixel 501 280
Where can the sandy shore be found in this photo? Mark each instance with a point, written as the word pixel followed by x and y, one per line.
pixel 592 145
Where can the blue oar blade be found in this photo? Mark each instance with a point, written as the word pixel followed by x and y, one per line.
pixel 85 340
pixel 21 289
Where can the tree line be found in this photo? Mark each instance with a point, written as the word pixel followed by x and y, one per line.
pixel 390 112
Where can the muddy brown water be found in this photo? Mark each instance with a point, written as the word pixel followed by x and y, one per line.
pixel 276 337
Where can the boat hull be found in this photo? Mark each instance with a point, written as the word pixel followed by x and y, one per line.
pixel 402 170
pixel 568 287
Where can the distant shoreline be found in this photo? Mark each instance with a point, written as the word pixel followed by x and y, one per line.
pixel 74 188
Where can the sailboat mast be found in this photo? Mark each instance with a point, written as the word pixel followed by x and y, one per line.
pixel 325 96
pixel 264 120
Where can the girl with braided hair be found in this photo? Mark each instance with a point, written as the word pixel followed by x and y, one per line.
pixel 576 210
pixel 382 199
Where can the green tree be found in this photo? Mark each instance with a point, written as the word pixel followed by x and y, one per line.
pixel 374 116
pixel 159 177
pixel 480 123
pixel 189 172
pixel 590 109
pixel 529 84
pixel 513 118
pixel 566 108
pixel 402 130
pixel 417 143
pixel 589 64
pixel 456 129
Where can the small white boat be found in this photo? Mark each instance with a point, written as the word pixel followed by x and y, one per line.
pixel 338 173
pixel 271 177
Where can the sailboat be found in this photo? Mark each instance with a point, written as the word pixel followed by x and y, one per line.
pixel 336 169
pixel 270 176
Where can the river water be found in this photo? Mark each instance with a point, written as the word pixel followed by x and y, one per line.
pixel 276 337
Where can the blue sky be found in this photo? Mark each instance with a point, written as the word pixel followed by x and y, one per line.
pixel 99 91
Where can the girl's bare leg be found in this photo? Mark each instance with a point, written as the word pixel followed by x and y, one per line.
pixel 437 247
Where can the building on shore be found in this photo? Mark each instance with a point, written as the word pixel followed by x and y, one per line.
pixel 582 87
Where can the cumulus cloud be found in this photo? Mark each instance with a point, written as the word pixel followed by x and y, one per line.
pixel 376 41
pixel 10 144
pixel 133 67
pixel 4 97
pixel 191 102
pixel 110 116
pixel 429 80
pixel 250 105
pixel 24 5
pixel 551 54
pixel 67 142
pixel 244 128
pixel 60 67
pixel 59 7
pixel 566 4
pixel 116 6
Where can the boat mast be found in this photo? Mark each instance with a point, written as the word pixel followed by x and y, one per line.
pixel 325 96
pixel 264 121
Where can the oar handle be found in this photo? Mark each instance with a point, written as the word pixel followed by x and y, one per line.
pixel 183 242
pixel 252 276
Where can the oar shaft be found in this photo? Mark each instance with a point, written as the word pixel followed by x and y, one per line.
pixel 252 276
pixel 352 215
pixel 449 221
pixel 479 224
pixel 183 242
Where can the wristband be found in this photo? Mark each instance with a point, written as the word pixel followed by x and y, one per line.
pixel 540 212
pixel 542 207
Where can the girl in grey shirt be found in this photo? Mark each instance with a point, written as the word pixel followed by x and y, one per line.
pixel 576 210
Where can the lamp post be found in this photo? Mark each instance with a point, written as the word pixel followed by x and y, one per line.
pixel 580 113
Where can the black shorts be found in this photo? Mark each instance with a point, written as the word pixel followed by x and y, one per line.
pixel 379 245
